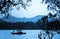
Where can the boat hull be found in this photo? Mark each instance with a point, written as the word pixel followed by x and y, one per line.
pixel 18 33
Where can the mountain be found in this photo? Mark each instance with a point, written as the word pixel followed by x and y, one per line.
pixel 15 19
pixel 2 20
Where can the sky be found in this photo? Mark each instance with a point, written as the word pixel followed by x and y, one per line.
pixel 36 8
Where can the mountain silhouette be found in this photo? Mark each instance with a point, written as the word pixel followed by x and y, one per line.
pixel 15 19
pixel 2 20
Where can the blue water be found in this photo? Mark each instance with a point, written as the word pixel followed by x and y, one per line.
pixel 30 34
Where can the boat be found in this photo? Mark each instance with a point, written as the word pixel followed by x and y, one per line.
pixel 58 31
pixel 19 32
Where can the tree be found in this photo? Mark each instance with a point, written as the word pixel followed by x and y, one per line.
pixel 44 20
pixel 53 17
pixel 56 3
pixel 41 23
pixel 53 5
pixel 6 5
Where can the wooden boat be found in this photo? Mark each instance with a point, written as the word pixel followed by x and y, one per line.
pixel 18 32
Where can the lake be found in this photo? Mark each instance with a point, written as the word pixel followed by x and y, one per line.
pixel 30 34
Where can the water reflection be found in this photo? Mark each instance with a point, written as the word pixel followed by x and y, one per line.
pixel 30 34
pixel 49 34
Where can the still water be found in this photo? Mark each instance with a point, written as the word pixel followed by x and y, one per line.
pixel 30 34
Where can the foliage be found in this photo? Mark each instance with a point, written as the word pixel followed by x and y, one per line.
pixel 6 5
pixel 53 5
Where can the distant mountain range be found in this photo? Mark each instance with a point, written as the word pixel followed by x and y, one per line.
pixel 15 19
pixel 2 20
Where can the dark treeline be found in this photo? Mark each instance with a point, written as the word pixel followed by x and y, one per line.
pixel 17 25
pixel 40 24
